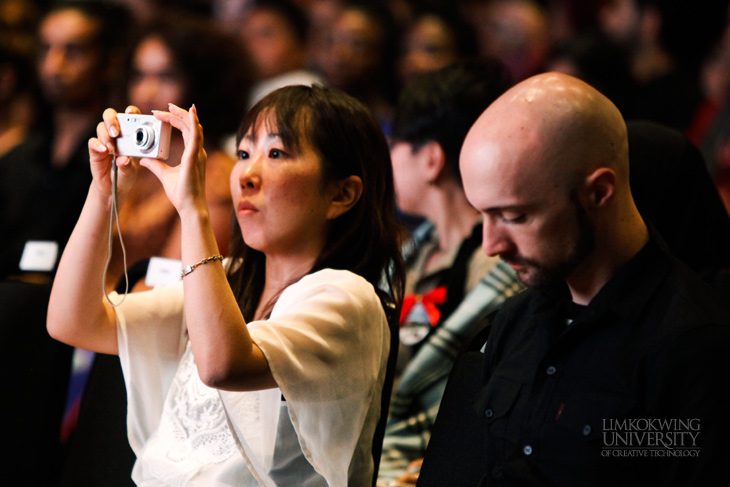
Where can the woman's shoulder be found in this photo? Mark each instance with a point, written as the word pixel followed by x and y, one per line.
pixel 333 282
pixel 344 279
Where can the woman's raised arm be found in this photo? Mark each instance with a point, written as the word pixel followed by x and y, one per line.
pixel 78 313
pixel 225 355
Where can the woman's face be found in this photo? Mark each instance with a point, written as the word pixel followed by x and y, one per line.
pixel 155 80
pixel 280 201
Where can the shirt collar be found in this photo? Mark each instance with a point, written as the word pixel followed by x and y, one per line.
pixel 625 292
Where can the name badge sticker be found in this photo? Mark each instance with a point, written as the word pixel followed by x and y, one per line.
pixel 162 271
pixel 39 256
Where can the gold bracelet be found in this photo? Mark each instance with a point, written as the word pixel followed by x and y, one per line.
pixel 191 268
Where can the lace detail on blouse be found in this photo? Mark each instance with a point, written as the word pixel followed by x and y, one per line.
pixel 193 426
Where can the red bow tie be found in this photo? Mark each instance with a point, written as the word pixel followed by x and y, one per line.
pixel 430 301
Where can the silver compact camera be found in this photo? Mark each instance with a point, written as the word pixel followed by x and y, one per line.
pixel 143 136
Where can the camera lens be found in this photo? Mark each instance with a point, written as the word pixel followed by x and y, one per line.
pixel 144 137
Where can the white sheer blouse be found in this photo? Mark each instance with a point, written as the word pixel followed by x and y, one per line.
pixel 327 344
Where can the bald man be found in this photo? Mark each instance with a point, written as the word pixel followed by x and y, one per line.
pixel 610 369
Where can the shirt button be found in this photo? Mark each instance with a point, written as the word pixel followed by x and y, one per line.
pixel 586 430
pixel 527 450
pixel 489 413
pixel 550 370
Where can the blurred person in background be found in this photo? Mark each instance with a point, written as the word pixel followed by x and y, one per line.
pixel 77 49
pixel 434 38
pixel 182 60
pixel 665 42
pixel 516 32
pixel 19 100
pixel 276 35
pixel 450 283
pixel 710 125
pixel 570 19
pixel 358 57
pixel 19 24
pixel 81 49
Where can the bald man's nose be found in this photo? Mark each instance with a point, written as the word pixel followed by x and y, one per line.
pixel 495 241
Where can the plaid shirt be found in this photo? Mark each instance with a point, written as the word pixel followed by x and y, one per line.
pixel 418 393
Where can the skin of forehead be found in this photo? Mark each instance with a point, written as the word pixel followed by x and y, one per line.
pixel 550 127
pixel 266 125
pixel 69 25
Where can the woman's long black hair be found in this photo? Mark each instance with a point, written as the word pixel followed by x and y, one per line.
pixel 367 239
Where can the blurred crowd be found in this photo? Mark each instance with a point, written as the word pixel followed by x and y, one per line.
pixel 663 61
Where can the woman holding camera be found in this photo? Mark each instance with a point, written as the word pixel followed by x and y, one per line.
pixel 268 370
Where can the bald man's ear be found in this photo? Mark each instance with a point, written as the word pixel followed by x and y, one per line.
pixel 601 186
pixel 346 194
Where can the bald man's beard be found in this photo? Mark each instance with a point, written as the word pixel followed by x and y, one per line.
pixel 537 275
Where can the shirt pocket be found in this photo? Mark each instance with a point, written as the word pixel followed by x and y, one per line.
pixel 495 403
pixel 497 398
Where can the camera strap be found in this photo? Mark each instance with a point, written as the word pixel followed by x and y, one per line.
pixel 114 217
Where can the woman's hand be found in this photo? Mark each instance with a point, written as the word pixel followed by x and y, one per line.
pixel 184 184
pixel 101 154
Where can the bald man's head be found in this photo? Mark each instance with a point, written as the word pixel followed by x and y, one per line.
pixel 547 166
pixel 557 125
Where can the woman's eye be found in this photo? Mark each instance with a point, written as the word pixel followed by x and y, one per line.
pixel 242 154
pixel 276 153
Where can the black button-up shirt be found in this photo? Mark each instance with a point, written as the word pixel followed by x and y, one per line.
pixel 575 400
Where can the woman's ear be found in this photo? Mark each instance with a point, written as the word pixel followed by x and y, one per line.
pixel 347 193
